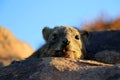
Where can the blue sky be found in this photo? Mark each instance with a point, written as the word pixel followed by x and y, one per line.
pixel 26 18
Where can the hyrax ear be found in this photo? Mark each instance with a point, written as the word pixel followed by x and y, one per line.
pixel 46 33
pixel 84 35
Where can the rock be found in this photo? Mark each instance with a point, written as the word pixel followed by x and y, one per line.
pixel 107 56
pixel 59 69
pixel 101 41
pixel 12 48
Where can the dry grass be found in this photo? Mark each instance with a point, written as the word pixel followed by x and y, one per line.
pixel 102 23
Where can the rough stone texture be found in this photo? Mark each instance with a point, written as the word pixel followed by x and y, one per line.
pixel 101 41
pixel 11 48
pixel 59 69
pixel 106 56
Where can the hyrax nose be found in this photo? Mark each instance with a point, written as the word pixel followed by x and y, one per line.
pixel 65 41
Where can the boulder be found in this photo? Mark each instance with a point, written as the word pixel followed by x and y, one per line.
pixel 12 48
pixel 107 56
pixel 100 41
pixel 59 69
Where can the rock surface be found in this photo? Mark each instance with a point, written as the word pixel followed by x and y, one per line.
pixel 108 56
pixel 12 48
pixel 59 69
pixel 101 41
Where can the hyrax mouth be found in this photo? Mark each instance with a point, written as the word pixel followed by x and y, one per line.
pixel 63 53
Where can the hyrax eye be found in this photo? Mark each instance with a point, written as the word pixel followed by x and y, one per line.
pixel 77 37
pixel 54 37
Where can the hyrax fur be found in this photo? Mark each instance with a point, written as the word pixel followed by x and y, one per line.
pixel 63 41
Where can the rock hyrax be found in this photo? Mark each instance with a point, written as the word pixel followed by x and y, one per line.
pixel 63 41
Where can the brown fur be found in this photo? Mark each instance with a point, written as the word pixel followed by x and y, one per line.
pixel 63 41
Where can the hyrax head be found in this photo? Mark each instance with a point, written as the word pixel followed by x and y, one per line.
pixel 64 41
